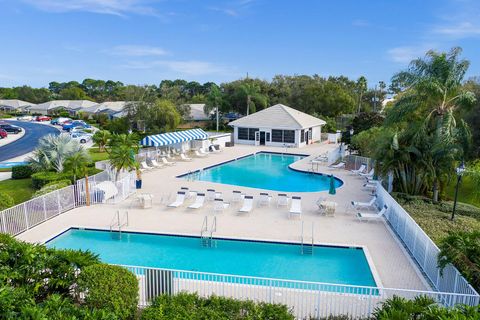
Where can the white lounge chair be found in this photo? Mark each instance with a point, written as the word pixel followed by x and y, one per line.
pixel 237 196
pixel 363 216
pixel 370 185
pixel 369 204
pixel 296 207
pixel 247 204
pixel 202 151
pixel 215 150
pixel 199 201
pixel 198 154
pixel 219 205
pixel 188 194
pixel 184 157
pixel 264 199
pixel 145 166
pixel 360 170
pixel 212 194
pixel 168 163
pixel 368 174
pixel 282 199
pixel 156 164
pixel 179 200
pixel 339 165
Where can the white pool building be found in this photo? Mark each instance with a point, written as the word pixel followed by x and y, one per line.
pixel 278 126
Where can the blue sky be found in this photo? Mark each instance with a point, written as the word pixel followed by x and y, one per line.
pixel 145 41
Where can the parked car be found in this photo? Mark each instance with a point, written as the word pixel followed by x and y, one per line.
pixel 10 128
pixel 81 130
pixel 25 118
pixel 74 124
pixel 60 121
pixel 82 138
pixel 3 134
pixel 43 118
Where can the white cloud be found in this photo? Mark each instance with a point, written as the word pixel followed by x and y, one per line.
pixel 184 67
pixel 405 54
pixel 113 7
pixel 459 30
pixel 137 51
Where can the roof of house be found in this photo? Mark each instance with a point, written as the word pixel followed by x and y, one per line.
pixel 112 106
pixel 68 104
pixel 15 103
pixel 197 112
pixel 278 116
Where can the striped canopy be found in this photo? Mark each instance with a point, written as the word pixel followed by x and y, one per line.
pixel 168 138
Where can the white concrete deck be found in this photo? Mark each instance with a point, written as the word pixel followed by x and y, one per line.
pixel 392 266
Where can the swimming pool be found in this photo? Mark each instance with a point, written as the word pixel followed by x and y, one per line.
pixel 9 164
pixel 265 170
pixel 328 264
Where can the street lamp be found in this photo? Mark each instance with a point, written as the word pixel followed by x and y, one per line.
pixel 460 171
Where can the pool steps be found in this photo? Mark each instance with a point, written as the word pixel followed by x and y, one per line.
pixel 306 247
pixel 206 233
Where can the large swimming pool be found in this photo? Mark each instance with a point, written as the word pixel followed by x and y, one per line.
pixel 265 170
pixel 327 264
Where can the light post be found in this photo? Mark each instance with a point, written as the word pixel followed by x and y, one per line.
pixel 460 170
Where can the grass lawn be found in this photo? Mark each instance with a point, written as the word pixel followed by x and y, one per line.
pixel 96 155
pixel 20 190
pixel 467 192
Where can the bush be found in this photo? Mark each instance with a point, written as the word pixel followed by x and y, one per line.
pixel 191 306
pixel 43 178
pixel 111 288
pixel 52 186
pixel 5 201
pixel 21 172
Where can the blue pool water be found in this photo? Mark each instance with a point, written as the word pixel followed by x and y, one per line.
pixel 6 164
pixel 336 265
pixel 266 171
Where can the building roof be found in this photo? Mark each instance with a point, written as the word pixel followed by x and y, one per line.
pixel 278 116
pixel 15 103
pixel 107 106
pixel 67 104
pixel 197 112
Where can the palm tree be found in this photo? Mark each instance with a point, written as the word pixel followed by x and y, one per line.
pixel 122 153
pixel 101 138
pixel 214 101
pixel 434 92
pixel 250 91
pixel 361 87
pixel 78 165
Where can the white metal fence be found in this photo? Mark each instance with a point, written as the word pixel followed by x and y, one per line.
pixel 422 248
pixel 26 215
pixel 305 299
pixel 353 162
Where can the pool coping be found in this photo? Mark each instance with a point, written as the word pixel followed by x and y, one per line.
pixel 268 152
pixel 368 257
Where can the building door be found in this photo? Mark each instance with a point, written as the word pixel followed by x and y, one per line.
pixel 257 138
pixel 262 138
pixel 306 136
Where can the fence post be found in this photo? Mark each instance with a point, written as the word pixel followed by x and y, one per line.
pixel 2 217
pixel 26 215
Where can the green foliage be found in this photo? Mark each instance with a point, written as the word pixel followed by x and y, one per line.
pixel 76 164
pixel 367 120
pixel 367 141
pixel 118 125
pixel 101 138
pixel 155 116
pixel 6 201
pixel 20 190
pixel 193 307
pixel 331 124
pixel 51 186
pixel 109 287
pixel 43 178
pixel 21 172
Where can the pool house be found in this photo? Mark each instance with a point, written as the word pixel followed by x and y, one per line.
pixel 278 126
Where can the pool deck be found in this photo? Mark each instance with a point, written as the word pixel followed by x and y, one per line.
pixel 390 264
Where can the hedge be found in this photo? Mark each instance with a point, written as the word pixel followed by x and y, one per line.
pixel 5 201
pixel 21 172
pixel 52 186
pixel 193 307
pixel 43 178
pixel 110 288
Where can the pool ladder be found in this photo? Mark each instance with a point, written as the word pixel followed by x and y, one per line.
pixel 117 223
pixel 206 234
pixel 306 246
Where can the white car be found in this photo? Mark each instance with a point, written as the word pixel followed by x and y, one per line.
pixel 82 138
pixel 25 118
pixel 80 130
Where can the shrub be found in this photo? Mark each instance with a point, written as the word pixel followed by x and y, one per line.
pixel 5 201
pixel 21 172
pixel 52 186
pixel 43 178
pixel 191 306
pixel 111 288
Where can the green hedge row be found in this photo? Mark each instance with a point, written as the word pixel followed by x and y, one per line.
pixel 21 172
pixel 40 179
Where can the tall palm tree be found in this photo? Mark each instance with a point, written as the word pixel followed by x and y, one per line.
pixel 101 138
pixel 250 91
pixel 122 149
pixel 214 101
pixel 361 87
pixel 78 165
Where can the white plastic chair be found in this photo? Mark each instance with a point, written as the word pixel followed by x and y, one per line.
pixel 200 155
pixel 237 196
pixel 264 199
pixel 363 216
pixel 357 204
pixel 296 207
pixel 199 201
pixel 219 205
pixel 247 204
pixel 145 166
pixel 184 157
pixel 179 200
pixel 168 163
pixel 282 199
pixel 156 164
pixel 360 170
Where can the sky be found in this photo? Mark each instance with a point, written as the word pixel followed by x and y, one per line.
pixel 146 41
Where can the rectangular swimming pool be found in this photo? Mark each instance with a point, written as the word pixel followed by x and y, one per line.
pixel 328 264
pixel 266 170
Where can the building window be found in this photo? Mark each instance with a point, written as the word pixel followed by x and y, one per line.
pixel 289 136
pixel 302 136
pixel 277 135
pixel 251 134
pixel 268 136
pixel 242 134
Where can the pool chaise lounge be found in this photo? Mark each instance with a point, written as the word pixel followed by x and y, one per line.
pixel 339 165
pixel 219 205
pixel 247 204
pixel 179 200
pixel 168 163
pixel 369 204
pixel 199 201
pixel 184 157
pixel 296 207
pixel 264 199
pixel 362 216
pixel 282 200
pixel 362 169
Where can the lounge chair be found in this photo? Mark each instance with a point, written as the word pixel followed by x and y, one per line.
pixel 168 163
pixel 296 207
pixel 219 205
pixel 370 185
pixel 369 174
pixel 179 200
pixel 247 204
pixel 202 151
pixel 369 204
pixel 215 150
pixel 199 201
pixel 212 195
pixel 363 216
pixel 360 170
pixel 156 164
pixel 237 196
pixel 198 154
pixel 145 166
pixel 188 194
pixel 264 199
pixel 339 165
pixel 282 199
pixel 184 157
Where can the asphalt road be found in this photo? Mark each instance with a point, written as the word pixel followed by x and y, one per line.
pixel 26 144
